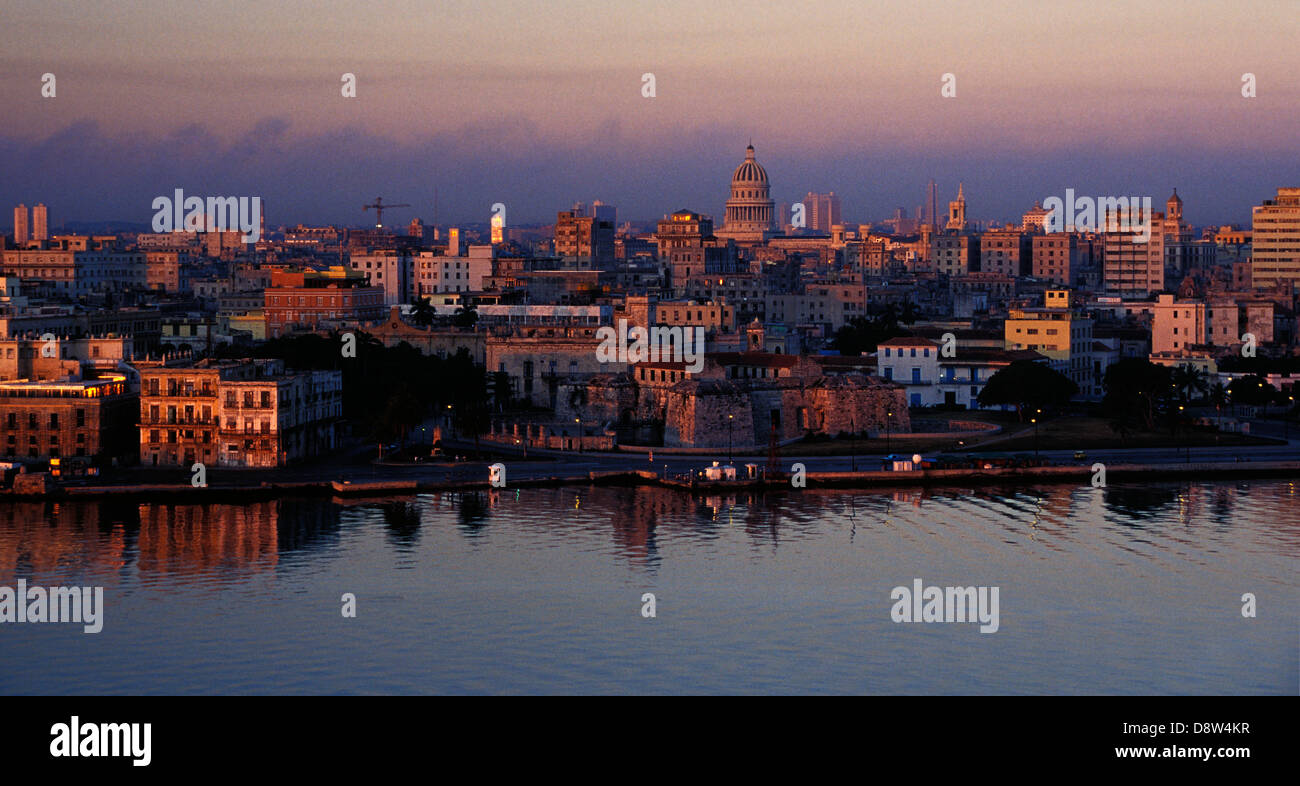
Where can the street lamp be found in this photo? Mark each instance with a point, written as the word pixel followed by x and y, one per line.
pixel 1187 446
pixel 578 420
pixel 730 420
pixel 889 420
pixel 1286 418
pixel 1034 420
pixel 853 445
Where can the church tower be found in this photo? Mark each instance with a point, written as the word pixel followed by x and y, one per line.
pixel 957 211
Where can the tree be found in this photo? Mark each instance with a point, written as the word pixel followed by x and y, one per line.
pixel 864 334
pixel 466 317
pixel 1251 391
pixel 1027 384
pixel 422 312
pixel 1137 390
pixel 401 412
pixel 909 313
pixel 1189 380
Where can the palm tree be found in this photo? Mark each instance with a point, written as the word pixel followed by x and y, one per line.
pixel 465 317
pixel 1189 380
pixel 422 312
pixel 909 313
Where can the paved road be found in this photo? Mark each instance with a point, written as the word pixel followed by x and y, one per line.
pixel 358 466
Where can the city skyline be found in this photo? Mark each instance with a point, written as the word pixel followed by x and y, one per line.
pixel 1133 102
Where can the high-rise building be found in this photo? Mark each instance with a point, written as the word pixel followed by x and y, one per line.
pixel 954 255
pixel 391 270
pixel 823 211
pixel 40 223
pixel 604 212
pixel 1276 239
pixel 1133 262
pixel 930 208
pixel 21 234
pixel 689 247
pixel 587 241
pixel 1062 258
pixel 498 229
pixel 1006 252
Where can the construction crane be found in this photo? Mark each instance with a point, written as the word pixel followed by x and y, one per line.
pixel 380 207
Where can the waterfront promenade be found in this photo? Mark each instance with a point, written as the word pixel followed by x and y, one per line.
pixel 358 474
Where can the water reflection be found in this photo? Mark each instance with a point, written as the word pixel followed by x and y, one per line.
pixel 165 537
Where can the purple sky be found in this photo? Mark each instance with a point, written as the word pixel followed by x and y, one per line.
pixel 539 105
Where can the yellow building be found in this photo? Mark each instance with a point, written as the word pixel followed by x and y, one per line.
pixel 1059 332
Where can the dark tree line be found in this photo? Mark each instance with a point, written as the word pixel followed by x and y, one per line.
pixel 388 391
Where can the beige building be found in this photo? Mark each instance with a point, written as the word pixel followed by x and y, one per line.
pixel 163 269
pixel 1177 325
pixel 1060 257
pixel 586 241
pixel 1275 228
pixel 22 231
pixel 238 413
pixel 536 358
pixel 1132 263
pixel 36 358
pixel 1005 252
pixel 688 247
pixel 825 304
pixel 40 223
pixel 710 315
pixel 953 255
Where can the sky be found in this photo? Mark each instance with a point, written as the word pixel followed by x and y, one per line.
pixel 537 105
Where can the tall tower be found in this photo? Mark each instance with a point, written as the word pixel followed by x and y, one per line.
pixel 931 212
pixel 40 223
pixel 957 211
pixel 498 229
pixel 20 225
pixel 1174 209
